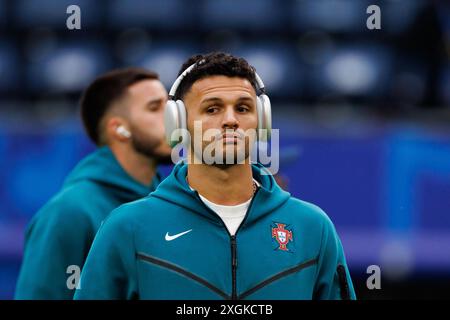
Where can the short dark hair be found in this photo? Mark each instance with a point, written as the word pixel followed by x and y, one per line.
pixel 214 63
pixel 99 96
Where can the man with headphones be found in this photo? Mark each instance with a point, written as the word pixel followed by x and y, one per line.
pixel 123 114
pixel 222 230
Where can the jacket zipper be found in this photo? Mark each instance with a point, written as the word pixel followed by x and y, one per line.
pixel 233 267
pixel 234 261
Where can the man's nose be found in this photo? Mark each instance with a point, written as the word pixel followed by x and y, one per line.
pixel 229 119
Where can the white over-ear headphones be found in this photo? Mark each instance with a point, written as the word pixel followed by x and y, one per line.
pixel 175 112
pixel 123 132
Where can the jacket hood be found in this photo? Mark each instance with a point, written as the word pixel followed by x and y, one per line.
pixel 176 190
pixel 102 167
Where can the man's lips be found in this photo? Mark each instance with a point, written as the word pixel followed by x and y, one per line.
pixel 230 137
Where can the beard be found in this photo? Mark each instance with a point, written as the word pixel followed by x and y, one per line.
pixel 149 146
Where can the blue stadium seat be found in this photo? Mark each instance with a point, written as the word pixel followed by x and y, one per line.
pixel 407 10
pixel 3 15
pixel 166 59
pixel 277 65
pixel 330 15
pixel 50 13
pixel 349 16
pixel 254 15
pixel 69 67
pixel 358 70
pixel 444 88
pixel 167 14
pixel 408 79
pixel 9 67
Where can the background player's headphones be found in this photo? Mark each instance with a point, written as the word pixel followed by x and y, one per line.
pixel 123 132
pixel 175 112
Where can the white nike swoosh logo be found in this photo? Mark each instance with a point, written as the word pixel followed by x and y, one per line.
pixel 170 238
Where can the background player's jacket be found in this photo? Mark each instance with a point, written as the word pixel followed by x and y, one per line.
pixel 135 255
pixel 61 233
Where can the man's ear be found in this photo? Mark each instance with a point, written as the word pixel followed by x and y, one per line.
pixel 117 129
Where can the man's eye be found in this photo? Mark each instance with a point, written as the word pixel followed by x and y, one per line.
pixel 243 108
pixel 211 109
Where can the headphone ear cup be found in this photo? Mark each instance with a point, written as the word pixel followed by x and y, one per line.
pixel 259 109
pixel 183 122
pixel 182 112
pixel 171 121
pixel 264 117
pixel 175 119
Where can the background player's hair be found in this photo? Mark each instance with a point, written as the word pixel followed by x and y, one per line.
pixel 103 92
pixel 215 63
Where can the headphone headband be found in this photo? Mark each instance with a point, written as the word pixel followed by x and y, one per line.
pixel 176 84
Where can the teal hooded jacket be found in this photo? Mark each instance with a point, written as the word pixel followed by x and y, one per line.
pixel 61 233
pixel 170 245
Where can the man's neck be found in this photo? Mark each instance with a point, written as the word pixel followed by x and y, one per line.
pixel 230 185
pixel 138 166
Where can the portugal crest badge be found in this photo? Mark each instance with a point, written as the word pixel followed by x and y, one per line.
pixel 282 235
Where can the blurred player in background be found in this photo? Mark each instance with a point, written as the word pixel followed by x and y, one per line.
pixel 122 112
pixel 217 230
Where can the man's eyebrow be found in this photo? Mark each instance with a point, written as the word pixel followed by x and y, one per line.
pixel 215 99
pixel 212 99
pixel 245 99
